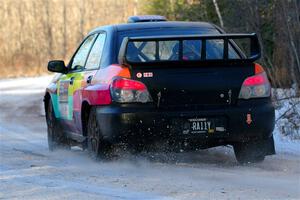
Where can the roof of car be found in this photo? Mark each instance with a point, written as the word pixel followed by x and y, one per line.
pixel 151 25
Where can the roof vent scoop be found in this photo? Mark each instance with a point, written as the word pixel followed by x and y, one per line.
pixel 146 18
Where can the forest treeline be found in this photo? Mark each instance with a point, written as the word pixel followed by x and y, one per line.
pixel 32 32
pixel 35 31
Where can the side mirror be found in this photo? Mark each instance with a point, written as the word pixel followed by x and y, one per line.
pixel 57 66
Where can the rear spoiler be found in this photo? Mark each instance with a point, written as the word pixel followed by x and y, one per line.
pixel 255 50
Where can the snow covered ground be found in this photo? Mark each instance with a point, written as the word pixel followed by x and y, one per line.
pixel 29 171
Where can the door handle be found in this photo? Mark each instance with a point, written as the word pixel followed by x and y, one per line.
pixel 89 79
pixel 71 80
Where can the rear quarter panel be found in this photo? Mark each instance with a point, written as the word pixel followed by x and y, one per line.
pixel 98 92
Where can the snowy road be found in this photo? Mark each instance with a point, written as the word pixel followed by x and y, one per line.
pixel 29 171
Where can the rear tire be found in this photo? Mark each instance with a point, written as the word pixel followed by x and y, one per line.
pixel 96 145
pixel 56 137
pixel 249 152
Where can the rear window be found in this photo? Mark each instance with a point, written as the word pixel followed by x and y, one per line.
pixel 169 50
pixel 147 51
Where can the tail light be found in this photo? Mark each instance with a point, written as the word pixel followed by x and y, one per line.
pixel 256 86
pixel 129 91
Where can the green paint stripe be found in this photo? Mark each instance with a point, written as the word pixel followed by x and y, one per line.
pixel 54 99
pixel 70 110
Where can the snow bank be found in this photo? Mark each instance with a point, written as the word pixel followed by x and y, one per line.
pixel 20 86
pixel 17 82
pixel 287 115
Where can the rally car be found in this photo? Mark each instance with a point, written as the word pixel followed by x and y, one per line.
pixel 182 84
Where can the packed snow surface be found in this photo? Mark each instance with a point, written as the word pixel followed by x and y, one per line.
pixel 29 171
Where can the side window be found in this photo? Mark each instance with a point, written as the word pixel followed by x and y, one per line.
pixel 93 61
pixel 82 53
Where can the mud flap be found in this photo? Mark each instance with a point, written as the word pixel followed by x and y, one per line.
pixel 268 146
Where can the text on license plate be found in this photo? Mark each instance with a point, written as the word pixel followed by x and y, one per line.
pixel 201 125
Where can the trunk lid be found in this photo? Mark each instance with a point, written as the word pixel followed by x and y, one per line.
pixel 193 86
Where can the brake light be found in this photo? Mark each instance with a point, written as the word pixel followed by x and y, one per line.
pixel 128 91
pixel 127 84
pixel 255 80
pixel 256 86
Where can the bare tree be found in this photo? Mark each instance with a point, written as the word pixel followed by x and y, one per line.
pixel 34 31
pixel 218 13
pixel 64 45
pixel 135 7
pixel 82 19
pixel 47 25
pixel 292 44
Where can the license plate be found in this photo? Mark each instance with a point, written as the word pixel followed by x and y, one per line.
pixel 199 125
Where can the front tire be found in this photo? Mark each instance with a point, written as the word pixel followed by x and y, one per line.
pixel 96 145
pixel 56 137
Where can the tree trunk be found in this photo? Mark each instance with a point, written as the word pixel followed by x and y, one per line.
pixel 218 13
pixel 64 29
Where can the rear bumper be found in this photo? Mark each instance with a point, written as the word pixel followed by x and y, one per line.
pixel 146 122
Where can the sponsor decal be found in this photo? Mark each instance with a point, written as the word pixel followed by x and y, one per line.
pixel 145 74
pixel 63 91
pixel 139 75
pixel 148 74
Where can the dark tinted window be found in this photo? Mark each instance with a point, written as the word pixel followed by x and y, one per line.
pixel 215 50
pixel 168 50
pixel 191 50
